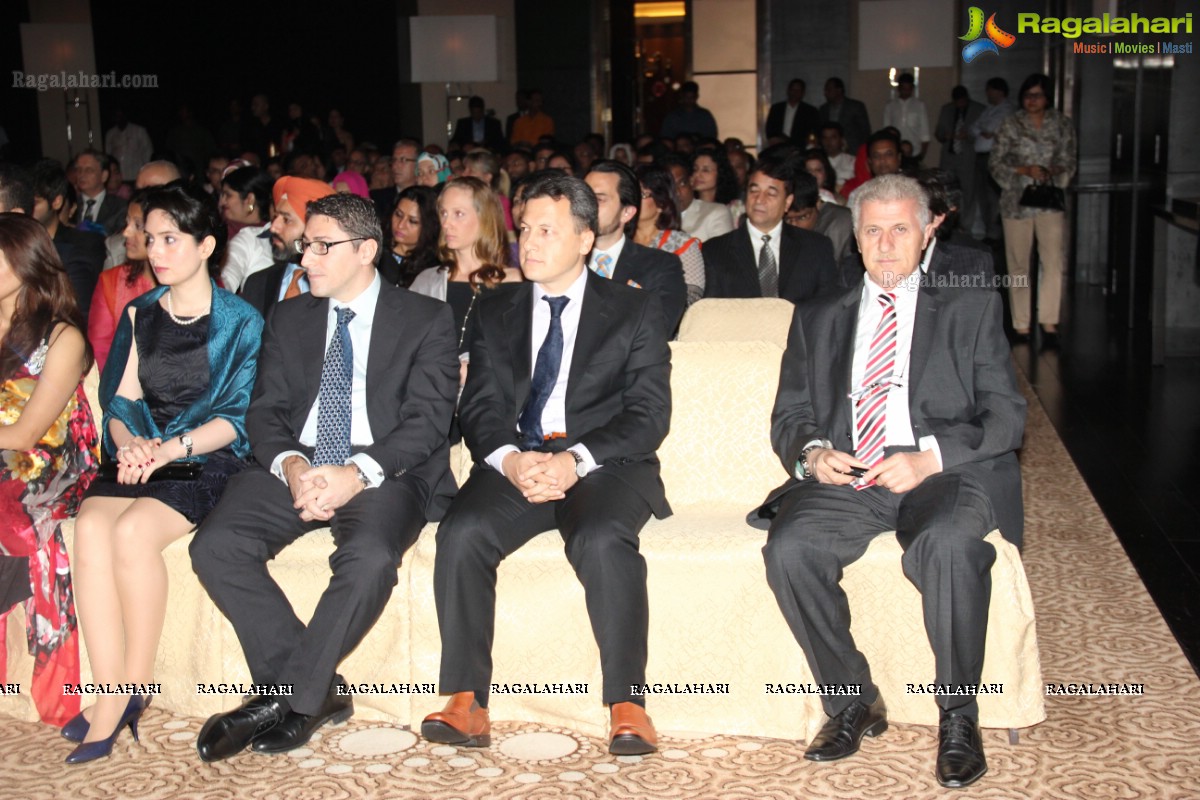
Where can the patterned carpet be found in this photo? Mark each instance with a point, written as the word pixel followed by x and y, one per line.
pixel 1096 624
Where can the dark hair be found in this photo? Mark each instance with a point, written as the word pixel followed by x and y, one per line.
pixel 45 298
pixel 104 159
pixel 661 186
pixel 727 185
pixel 49 180
pixel 780 168
pixel 475 102
pixel 16 188
pixel 906 77
pixel 689 86
pixel 817 154
pixel 425 252
pixel 137 268
pixel 558 186
pixel 407 142
pixel 1040 80
pixel 945 197
pixel 252 181
pixel 628 190
pixel 884 135
pixel 668 160
pixel 800 81
pixel 570 158
pixel 195 214
pixel 837 126
pixel 836 82
pixel 805 192
pixel 959 93
pixel 353 214
pixel 999 84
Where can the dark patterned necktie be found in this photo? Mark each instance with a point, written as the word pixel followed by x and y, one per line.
pixel 87 211
pixel 870 410
pixel 337 378
pixel 545 375
pixel 768 270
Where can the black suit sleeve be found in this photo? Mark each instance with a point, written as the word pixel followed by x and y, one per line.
pixel 269 419
pixel 826 266
pixel 83 259
pixel 665 279
pixel 774 126
pixel 425 403
pixel 637 431
pixel 793 421
pixel 485 414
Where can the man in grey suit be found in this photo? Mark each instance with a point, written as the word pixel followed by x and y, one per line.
pixel 851 114
pixel 355 389
pixel 897 410
pixel 953 130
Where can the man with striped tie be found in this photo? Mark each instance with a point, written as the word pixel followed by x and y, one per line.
pixel 897 410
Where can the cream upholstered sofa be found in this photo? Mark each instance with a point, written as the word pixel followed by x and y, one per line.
pixel 713 620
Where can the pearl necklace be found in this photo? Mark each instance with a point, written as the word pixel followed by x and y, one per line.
pixel 178 321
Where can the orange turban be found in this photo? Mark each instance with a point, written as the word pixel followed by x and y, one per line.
pixel 300 192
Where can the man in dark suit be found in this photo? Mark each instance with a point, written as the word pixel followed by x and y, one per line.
pixel 897 410
pixel 285 278
pixel 763 257
pixel 356 386
pixel 478 128
pixel 96 206
pixel 562 439
pixel 82 251
pixel 850 113
pixel 616 256
pixel 953 130
pixel 793 119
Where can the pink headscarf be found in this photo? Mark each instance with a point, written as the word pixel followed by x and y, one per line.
pixel 354 183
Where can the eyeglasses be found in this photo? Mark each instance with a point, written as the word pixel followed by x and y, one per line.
pixel 404 160
pixel 320 248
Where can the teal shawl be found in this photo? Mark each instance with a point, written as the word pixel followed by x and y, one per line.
pixel 234 336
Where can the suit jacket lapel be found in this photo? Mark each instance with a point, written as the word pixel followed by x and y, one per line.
pixel 922 337
pixel 845 326
pixel 593 322
pixel 387 330
pixel 519 318
pixel 745 254
pixel 310 341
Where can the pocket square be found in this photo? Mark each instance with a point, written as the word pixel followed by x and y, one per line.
pixel 634 284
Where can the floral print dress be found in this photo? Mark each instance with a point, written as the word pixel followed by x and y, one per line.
pixel 39 488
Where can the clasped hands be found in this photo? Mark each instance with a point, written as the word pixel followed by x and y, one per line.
pixel 541 477
pixel 898 473
pixel 318 492
pixel 139 457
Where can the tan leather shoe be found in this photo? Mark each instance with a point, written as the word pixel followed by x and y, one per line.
pixel 632 732
pixel 461 722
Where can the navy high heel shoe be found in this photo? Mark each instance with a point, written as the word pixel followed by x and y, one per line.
pixel 76 729
pixel 90 751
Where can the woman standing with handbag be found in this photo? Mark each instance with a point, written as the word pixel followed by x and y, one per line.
pixel 1035 147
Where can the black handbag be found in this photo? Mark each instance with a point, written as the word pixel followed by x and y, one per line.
pixel 182 471
pixel 1044 195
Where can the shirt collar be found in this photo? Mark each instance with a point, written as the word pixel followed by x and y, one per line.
pixel 574 291
pixel 757 235
pixel 365 302
pixel 99 198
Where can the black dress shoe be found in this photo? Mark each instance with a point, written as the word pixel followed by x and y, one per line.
pixel 296 729
pixel 960 760
pixel 228 734
pixel 1049 340
pixel 841 735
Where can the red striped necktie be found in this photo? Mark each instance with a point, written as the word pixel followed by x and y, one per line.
pixel 870 410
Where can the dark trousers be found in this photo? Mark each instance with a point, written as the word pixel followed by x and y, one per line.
pixel 253 522
pixel 821 528
pixel 599 520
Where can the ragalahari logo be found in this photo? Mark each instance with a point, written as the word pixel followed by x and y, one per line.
pixel 996 38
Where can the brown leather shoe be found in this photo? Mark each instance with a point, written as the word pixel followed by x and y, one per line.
pixel 632 732
pixel 461 722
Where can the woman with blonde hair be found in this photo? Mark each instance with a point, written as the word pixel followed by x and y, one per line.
pixel 473 252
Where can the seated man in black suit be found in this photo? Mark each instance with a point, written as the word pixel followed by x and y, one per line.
pixel 616 256
pixel 567 400
pixel 478 128
pixel 763 257
pixel 285 278
pixel 82 252
pixel 897 410
pixel 792 120
pixel 356 385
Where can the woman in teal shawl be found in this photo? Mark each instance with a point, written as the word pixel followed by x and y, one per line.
pixel 174 393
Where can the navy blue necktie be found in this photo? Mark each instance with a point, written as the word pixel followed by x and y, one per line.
pixel 545 375
pixel 334 414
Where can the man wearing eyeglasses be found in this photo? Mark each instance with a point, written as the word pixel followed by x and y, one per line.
pixel 356 386
pixel 404 175
pixel 897 410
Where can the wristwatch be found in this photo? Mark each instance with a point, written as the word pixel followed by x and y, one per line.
pixel 802 471
pixel 362 476
pixel 581 469
pixel 186 441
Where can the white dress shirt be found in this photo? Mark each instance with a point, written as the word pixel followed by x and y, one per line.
pixel 756 242
pixel 789 117
pixel 249 251
pixel 359 329
pixel 554 415
pixel 899 422
pixel 910 117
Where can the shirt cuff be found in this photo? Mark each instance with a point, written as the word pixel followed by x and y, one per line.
pixel 277 464
pixel 370 467
pixel 931 443
pixel 588 462
pixel 496 459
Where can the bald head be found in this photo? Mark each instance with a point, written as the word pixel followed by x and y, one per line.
pixel 157 173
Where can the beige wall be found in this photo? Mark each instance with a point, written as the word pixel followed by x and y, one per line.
pixel 58 38
pixel 497 95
